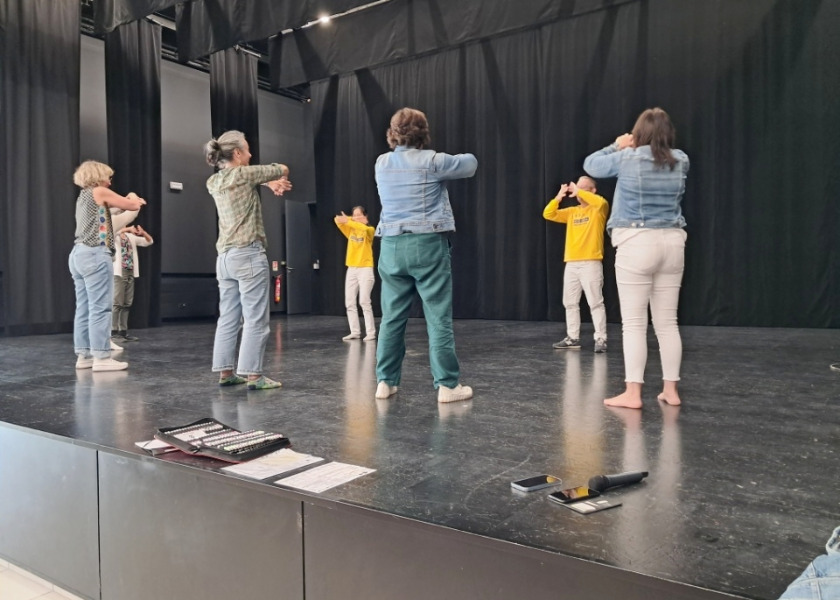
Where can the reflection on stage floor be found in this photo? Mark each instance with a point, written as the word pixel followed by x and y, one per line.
pixel 742 491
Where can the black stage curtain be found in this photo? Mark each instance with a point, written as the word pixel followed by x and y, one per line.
pixel 39 133
pixel 471 96
pixel 753 100
pixel 132 69
pixel 110 14
pixel 233 96
pixel 207 26
pixel 405 28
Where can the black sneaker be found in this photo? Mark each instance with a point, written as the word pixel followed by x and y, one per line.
pixel 567 344
pixel 128 338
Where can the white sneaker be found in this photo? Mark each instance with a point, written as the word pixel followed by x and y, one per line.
pixel 116 347
pixel 459 392
pixel 108 364
pixel 352 336
pixel 369 337
pixel 383 390
pixel 84 362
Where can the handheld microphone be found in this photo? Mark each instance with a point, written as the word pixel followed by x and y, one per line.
pixel 601 483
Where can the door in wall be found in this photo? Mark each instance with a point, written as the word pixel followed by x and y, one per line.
pixel 299 258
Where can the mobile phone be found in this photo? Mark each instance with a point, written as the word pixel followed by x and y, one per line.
pixel 591 506
pixel 574 494
pixel 538 482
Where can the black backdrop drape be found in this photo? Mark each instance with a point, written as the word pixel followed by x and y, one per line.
pixel 233 96
pixel 39 133
pixel 206 26
pixel 751 88
pixel 132 78
pixel 110 14
pixel 404 28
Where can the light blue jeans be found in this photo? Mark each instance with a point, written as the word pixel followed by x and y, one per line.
pixel 244 286
pixel 821 579
pixel 409 264
pixel 93 275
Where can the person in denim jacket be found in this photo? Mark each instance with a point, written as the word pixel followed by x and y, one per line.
pixel 646 228
pixel 415 253
pixel 821 578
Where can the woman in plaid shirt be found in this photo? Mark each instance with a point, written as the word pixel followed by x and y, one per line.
pixel 241 266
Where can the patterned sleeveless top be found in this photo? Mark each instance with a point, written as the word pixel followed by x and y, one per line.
pixel 93 222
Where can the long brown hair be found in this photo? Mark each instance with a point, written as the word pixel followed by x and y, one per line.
pixel 654 128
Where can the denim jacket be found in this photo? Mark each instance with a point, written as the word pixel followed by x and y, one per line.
pixel 645 195
pixel 821 579
pixel 412 189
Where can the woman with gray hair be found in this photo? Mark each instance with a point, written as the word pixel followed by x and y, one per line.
pixel 91 263
pixel 241 265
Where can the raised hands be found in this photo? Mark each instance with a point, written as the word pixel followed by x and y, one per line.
pixel 342 218
pixel 280 186
pixel 625 140
pixel 135 197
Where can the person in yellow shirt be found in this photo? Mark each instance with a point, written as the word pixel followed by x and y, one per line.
pixel 359 279
pixel 584 272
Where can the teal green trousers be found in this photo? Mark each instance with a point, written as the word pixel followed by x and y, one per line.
pixel 416 263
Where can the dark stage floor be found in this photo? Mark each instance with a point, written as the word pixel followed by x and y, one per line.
pixel 743 486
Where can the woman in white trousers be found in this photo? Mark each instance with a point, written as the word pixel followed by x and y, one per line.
pixel 646 228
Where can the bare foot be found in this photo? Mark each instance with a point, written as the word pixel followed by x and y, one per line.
pixel 669 393
pixel 672 398
pixel 628 399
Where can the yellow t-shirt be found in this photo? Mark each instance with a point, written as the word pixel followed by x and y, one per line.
pixel 585 224
pixel 359 243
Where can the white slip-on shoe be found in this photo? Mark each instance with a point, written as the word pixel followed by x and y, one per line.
pixel 459 392
pixel 84 362
pixel 383 390
pixel 108 364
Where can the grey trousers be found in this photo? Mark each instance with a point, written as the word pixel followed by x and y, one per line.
pixel 123 299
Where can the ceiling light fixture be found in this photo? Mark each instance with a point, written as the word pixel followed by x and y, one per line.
pixel 324 19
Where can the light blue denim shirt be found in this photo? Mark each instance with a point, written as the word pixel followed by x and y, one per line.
pixel 412 189
pixel 821 579
pixel 645 195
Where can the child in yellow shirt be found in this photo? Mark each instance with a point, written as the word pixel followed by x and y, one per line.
pixel 584 254
pixel 359 279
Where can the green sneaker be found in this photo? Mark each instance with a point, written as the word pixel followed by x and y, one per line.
pixel 263 383
pixel 232 380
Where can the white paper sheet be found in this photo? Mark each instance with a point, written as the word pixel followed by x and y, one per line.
pixel 326 476
pixel 270 465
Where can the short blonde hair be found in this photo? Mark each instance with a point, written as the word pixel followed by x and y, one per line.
pixel 91 173
pixel 589 181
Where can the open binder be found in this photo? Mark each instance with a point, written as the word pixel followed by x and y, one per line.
pixel 209 437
